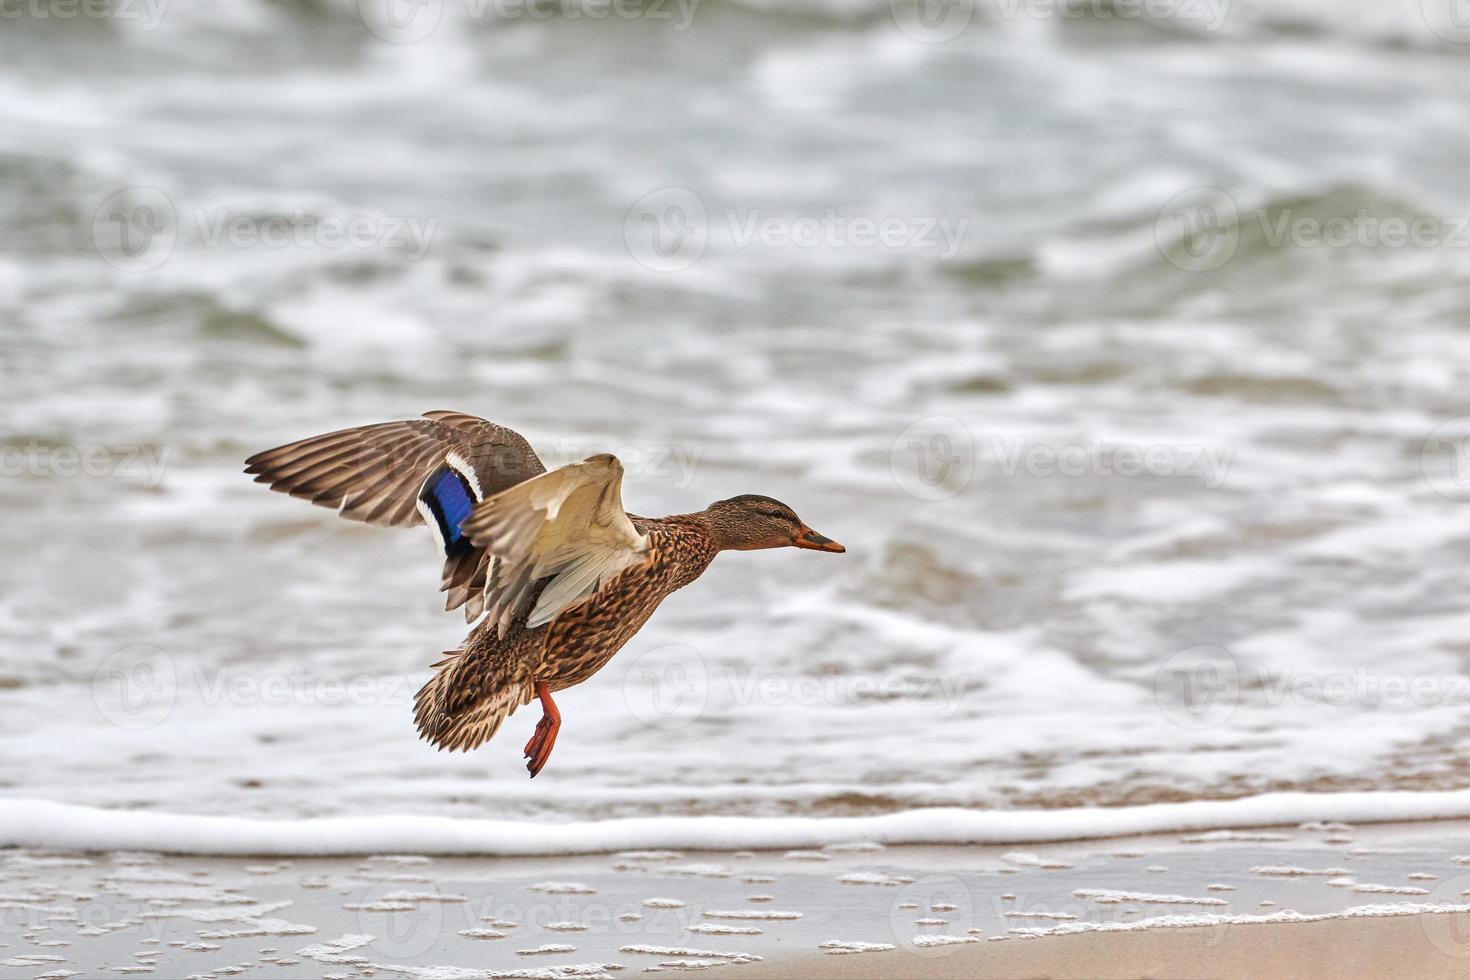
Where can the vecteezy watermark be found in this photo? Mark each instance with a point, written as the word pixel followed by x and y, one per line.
pixel 37 459
pixel 402 915
pixel 671 686
pixel 1201 687
pixel 102 914
pixel 1449 19
pixel 1363 687
pixel 138 228
pixel 1208 463
pixel 1448 928
pixel 407 21
pixel 1445 459
pixel 138 687
pixel 666 462
pixel 933 21
pixel 753 685
pixel 1030 916
pixel 297 686
pixel 147 13
pixel 934 458
pixel 937 21
pixel 135 687
pixel 927 915
pixel 301 230
pixel 1199 229
pixel 833 229
pixel 669 229
pixel 666 687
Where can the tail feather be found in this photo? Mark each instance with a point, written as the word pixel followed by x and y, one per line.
pixel 464 704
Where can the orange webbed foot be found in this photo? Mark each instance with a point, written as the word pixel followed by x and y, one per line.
pixel 538 749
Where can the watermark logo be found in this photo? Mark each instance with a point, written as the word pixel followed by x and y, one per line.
pixel 934 458
pixel 669 229
pixel 918 906
pixel 1362 687
pixel 932 21
pixel 1198 230
pixel 407 21
pixel 139 687
pixel 222 226
pixel 401 21
pixel 1198 688
pixel 834 230
pixel 1449 19
pixel 1201 687
pixel 667 687
pixel 135 229
pixel 1206 463
pixel 147 13
pixel 676 464
pixel 753 685
pixel 1445 459
pixel 1448 932
pixel 136 687
pixel 937 21
pixel 403 920
pixel 40 460
pixel 1208 14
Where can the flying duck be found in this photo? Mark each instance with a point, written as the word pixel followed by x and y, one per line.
pixel 555 576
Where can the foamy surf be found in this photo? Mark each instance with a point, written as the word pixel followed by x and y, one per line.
pixel 64 826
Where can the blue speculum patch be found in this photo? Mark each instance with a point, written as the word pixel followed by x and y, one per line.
pixel 448 496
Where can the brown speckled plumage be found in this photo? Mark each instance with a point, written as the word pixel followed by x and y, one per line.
pixel 564 575
pixel 480 684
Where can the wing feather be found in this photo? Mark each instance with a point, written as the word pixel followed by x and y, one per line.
pixel 566 528
pixel 374 474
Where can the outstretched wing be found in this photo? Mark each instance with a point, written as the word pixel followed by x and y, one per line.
pixel 566 528
pixel 399 474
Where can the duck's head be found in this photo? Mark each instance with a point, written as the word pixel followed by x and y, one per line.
pixel 751 521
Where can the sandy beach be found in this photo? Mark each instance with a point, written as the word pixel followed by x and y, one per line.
pixel 1385 947
pixel 1306 901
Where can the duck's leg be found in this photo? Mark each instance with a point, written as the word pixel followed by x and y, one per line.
pixel 538 749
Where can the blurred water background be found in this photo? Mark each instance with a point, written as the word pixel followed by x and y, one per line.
pixel 1090 330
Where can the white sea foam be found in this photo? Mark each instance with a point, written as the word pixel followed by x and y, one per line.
pixel 42 824
pixel 839 946
pixel 1214 919
pixel 1109 896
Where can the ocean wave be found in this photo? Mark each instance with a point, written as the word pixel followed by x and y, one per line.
pixel 48 824
pixel 1395 24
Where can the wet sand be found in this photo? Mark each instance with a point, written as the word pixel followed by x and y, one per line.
pixel 1165 906
pixel 1404 946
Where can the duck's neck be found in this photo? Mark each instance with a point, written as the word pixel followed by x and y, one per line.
pixel 721 535
pixel 691 540
pixel 697 523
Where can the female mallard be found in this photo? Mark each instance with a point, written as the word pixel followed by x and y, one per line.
pixel 557 573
